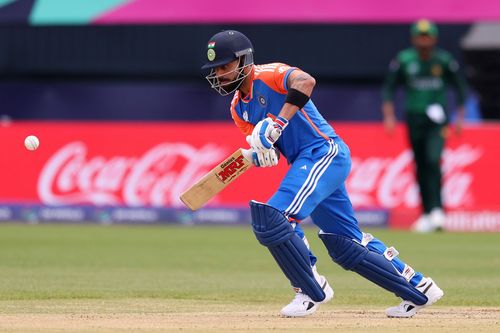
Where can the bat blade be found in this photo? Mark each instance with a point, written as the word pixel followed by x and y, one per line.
pixel 217 179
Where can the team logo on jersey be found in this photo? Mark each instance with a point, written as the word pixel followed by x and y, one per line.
pixel 437 70
pixel 211 54
pixel 245 116
pixel 262 100
pixel 413 68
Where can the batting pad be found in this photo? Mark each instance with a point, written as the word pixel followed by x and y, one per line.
pixel 273 230
pixel 371 265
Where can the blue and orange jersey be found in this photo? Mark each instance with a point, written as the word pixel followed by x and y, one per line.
pixel 307 128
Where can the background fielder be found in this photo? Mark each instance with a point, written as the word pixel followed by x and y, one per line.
pixel 425 73
pixel 271 105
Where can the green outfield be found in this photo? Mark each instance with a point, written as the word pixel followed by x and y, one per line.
pixel 68 269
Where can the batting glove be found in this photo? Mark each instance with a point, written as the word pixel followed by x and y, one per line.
pixel 266 158
pixel 267 132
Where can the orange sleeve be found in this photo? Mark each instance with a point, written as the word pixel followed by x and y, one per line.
pixel 274 75
pixel 280 74
pixel 245 127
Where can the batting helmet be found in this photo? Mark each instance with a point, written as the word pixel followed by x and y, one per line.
pixel 227 46
pixel 223 48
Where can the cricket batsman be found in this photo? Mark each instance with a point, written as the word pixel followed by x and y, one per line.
pixel 273 108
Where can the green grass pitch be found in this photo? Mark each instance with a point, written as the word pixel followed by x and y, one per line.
pixel 40 262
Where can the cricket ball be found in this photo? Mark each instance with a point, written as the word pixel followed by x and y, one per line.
pixel 31 142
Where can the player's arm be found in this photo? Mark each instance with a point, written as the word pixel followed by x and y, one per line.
pixel 390 83
pixel 458 82
pixel 300 86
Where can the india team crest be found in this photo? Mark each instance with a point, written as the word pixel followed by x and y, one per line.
pixel 211 51
pixel 211 54
pixel 262 100
pixel 245 116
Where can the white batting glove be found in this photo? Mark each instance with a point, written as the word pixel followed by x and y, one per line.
pixel 266 133
pixel 265 158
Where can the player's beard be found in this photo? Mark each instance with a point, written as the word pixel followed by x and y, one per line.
pixel 225 86
pixel 232 85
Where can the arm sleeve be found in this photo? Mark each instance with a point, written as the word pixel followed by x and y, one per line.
pixel 281 74
pixel 456 80
pixel 392 79
pixel 275 76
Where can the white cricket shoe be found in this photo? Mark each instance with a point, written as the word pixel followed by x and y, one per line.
pixel 408 309
pixel 423 224
pixel 302 305
pixel 438 218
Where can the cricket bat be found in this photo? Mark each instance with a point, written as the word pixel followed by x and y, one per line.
pixel 217 179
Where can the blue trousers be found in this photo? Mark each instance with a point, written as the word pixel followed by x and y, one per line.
pixel 315 186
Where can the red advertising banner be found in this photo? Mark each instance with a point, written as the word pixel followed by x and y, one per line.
pixel 150 164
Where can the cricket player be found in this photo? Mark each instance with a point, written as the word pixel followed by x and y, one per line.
pixel 425 72
pixel 272 107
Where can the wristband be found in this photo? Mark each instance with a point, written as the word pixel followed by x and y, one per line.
pixel 281 122
pixel 296 98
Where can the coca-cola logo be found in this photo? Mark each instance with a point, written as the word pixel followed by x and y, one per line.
pixel 390 181
pixel 156 178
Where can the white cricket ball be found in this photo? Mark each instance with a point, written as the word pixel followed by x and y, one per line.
pixel 31 142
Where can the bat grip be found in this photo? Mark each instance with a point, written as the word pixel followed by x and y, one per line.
pixel 247 154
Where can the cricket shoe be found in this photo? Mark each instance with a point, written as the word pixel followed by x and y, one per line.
pixel 302 305
pixel 434 221
pixel 408 309
pixel 423 224
pixel 437 218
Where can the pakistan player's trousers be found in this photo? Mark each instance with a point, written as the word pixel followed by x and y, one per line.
pixel 427 142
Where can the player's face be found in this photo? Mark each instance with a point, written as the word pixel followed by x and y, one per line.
pixel 227 73
pixel 228 78
pixel 424 42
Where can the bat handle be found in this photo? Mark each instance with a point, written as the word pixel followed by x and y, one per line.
pixel 247 154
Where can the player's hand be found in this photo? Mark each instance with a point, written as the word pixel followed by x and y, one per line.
pixel 459 127
pixel 266 158
pixel 266 133
pixel 459 122
pixel 389 117
pixel 390 124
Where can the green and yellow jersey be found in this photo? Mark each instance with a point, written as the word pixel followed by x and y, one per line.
pixel 425 81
